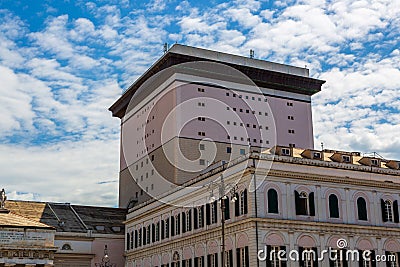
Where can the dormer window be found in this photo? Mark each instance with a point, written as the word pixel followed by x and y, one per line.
pixel 346 158
pixel 285 152
pixel 374 162
pixel 316 155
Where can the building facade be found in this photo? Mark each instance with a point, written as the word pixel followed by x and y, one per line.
pixel 79 234
pixel 195 107
pixel 294 200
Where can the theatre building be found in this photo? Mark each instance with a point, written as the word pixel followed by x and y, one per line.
pixel 286 199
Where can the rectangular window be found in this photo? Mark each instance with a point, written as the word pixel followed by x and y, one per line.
pixel 202 146
pixel 229 150
pixel 242 151
pixel 202 162
pixel 346 158
pixel 285 152
pixel 289 104
pixel 200 90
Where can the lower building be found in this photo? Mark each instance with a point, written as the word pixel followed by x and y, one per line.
pixel 25 242
pixel 284 207
pixel 79 234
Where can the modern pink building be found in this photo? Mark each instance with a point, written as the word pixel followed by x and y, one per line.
pixel 196 107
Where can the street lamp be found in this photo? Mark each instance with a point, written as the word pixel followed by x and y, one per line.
pixel 222 197
pixel 105 261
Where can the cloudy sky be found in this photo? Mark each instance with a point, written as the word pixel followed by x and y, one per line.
pixel 63 63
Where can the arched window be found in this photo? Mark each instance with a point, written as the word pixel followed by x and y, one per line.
pixel 272 201
pixel 175 260
pixel 390 211
pixel 67 247
pixel 362 209
pixel 333 206
pixel 304 203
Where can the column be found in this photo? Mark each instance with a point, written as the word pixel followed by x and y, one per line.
pixel 374 210
pixel 289 204
pixel 319 203
pixel 349 202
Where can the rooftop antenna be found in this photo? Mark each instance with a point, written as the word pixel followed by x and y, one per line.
pixel 251 53
pixel 165 47
pixel 322 145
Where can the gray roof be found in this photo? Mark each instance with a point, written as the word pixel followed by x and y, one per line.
pixel 65 217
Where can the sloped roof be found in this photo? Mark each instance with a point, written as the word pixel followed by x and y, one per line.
pixel 65 217
pixel 9 219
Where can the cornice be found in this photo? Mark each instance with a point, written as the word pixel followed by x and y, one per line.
pixel 332 179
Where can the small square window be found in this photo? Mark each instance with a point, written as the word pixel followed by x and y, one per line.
pixel 247 125
pixel 247 97
pixel 229 150
pixel 227 108
pixel 234 109
pixel 242 151
pixel 252 98
pixel 228 137
pixel 254 126
pixel 234 123
pixel 227 94
pixel 259 99
pixel 241 124
pixel 259 113
pixel 234 95
pixel 247 111
pixel 228 122
pixel 241 110
pixel 241 139
pixel 285 152
pixel 202 162
pixel 202 146
pixel 234 138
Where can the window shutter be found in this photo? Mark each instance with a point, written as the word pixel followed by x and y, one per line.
pixel 136 238
pixel 226 207
pixel 384 215
pixel 178 222
pixel 162 229
pixel 238 257
pixel 167 228
pixel 301 260
pixel 245 201
pixel 208 214
pixel 172 226
pixel 202 217
pixel 215 207
pixel 311 203
pixel 268 256
pixel 396 211
pixel 153 233
pixel 128 239
pixel 373 262
pixel 183 222
pixel 190 220
pixel 196 220
pixel 315 260
pixel 387 254
pixel 283 263
pixel 344 261
pixel 144 236
pixel 246 255
pixel 237 203
pixel 297 202
pixel 360 262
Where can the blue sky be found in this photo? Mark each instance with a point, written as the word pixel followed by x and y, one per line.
pixel 63 63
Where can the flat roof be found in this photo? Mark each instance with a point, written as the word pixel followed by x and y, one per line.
pixel 263 73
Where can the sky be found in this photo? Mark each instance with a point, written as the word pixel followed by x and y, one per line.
pixel 63 64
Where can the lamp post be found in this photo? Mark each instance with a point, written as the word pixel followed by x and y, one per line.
pixel 105 261
pixel 222 198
